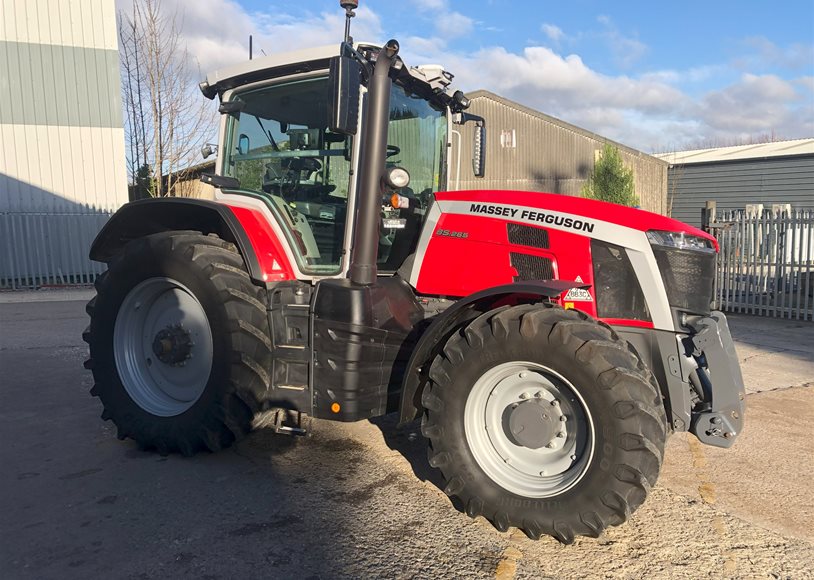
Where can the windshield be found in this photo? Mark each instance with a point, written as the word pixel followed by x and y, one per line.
pixel 280 148
pixel 416 141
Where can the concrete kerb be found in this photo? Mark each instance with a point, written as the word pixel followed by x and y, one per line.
pixel 84 293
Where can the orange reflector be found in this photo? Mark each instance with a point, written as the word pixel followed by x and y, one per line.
pixel 395 200
pixel 335 407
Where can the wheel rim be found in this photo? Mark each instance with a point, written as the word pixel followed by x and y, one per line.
pixel 162 345
pixel 514 428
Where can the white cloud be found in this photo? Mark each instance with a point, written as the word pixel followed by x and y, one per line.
pixel 753 105
pixel 765 53
pixel 626 49
pixel 432 4
pixel 454 25
pixel 554 33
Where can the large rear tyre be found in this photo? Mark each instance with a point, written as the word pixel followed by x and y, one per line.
pixel 545 420
pixel 179 343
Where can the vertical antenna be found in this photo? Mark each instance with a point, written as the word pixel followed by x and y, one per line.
pixel 250 47
pixel 349 6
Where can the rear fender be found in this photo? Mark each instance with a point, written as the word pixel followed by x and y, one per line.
pixel 453 318
pixel 151 216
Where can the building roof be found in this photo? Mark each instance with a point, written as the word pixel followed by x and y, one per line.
pixel 741 152
pixel 560 123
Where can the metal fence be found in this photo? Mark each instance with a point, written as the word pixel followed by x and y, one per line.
pixel 766 262
pixel 46 249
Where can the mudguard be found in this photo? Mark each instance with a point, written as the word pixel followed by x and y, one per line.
pixel 151 216
pixel 463 310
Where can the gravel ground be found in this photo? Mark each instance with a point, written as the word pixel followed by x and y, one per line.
pixel 360 500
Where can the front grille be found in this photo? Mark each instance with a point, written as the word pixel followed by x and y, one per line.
pixel 527 236
pixel 531 267
pixel 618 293
pixel 689 277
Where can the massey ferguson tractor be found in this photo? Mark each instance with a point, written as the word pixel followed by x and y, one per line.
pixel 548 343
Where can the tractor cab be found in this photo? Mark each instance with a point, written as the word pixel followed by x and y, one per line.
pixel 291 138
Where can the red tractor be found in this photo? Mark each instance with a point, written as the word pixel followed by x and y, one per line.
pixel 549 344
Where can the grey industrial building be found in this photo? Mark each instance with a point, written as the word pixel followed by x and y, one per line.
pixel 734 177
pixel 529 150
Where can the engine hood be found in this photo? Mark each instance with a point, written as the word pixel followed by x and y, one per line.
pixel 629 217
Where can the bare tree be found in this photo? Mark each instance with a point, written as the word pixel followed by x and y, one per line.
pixel 167 120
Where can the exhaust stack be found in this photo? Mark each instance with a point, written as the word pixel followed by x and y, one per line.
pixel 366 238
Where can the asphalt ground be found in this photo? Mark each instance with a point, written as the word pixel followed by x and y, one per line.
pixel 360 500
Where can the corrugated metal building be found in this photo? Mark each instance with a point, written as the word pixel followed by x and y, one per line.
pixel 62 163
pixel 529 150
pixel 769 173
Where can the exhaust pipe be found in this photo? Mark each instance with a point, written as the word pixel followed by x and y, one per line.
pixel 366 237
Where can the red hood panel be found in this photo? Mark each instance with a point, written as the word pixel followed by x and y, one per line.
pixel 599 210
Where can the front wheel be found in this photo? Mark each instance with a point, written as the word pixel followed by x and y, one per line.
pixel 544 419
pixel 179 343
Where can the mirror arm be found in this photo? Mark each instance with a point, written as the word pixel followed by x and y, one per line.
pixel 347 49
pixel 231 107
pixel 463 118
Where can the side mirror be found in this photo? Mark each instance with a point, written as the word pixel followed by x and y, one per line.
pixel 243 144
pixel 207 150
pixel 478 141
pixel 345 79
pixel 479 150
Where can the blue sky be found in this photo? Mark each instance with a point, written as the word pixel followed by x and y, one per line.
pixel 659 77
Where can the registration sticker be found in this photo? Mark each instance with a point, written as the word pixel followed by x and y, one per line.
pixel 579 294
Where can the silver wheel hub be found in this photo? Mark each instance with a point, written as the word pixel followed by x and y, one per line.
pixel 529 429
pixel 162 345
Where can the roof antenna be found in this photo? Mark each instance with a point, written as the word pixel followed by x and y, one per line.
pixel 349 6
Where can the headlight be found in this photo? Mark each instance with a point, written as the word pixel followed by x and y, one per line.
pixel 680 241
pixel 397 177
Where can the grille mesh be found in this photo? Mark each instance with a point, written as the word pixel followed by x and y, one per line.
pixel 618 293
pixel 531 267
pixel 527 236
pixel 689 277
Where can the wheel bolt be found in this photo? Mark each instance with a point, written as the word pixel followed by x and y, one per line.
pixel 524 396
pixel 538 395
pixel 523 375
pixel 563 418
pixel 542 473
pixel 561 434
pixel 573 458
pixel 550 445
pixel 554 403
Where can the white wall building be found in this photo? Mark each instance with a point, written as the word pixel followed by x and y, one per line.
pixel 62 161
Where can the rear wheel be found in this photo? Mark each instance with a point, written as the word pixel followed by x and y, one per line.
pixel 544 419
pixel 179 343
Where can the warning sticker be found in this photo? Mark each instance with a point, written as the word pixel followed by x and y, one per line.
pixel 578 294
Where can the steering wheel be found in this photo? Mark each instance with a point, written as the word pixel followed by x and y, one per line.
pixel 392 150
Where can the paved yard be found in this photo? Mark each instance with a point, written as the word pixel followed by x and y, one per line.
pixel 360 500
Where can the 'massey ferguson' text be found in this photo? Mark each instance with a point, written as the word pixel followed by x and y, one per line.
pixel 532 216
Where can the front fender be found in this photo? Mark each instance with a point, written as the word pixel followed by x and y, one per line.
pixel 464 310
